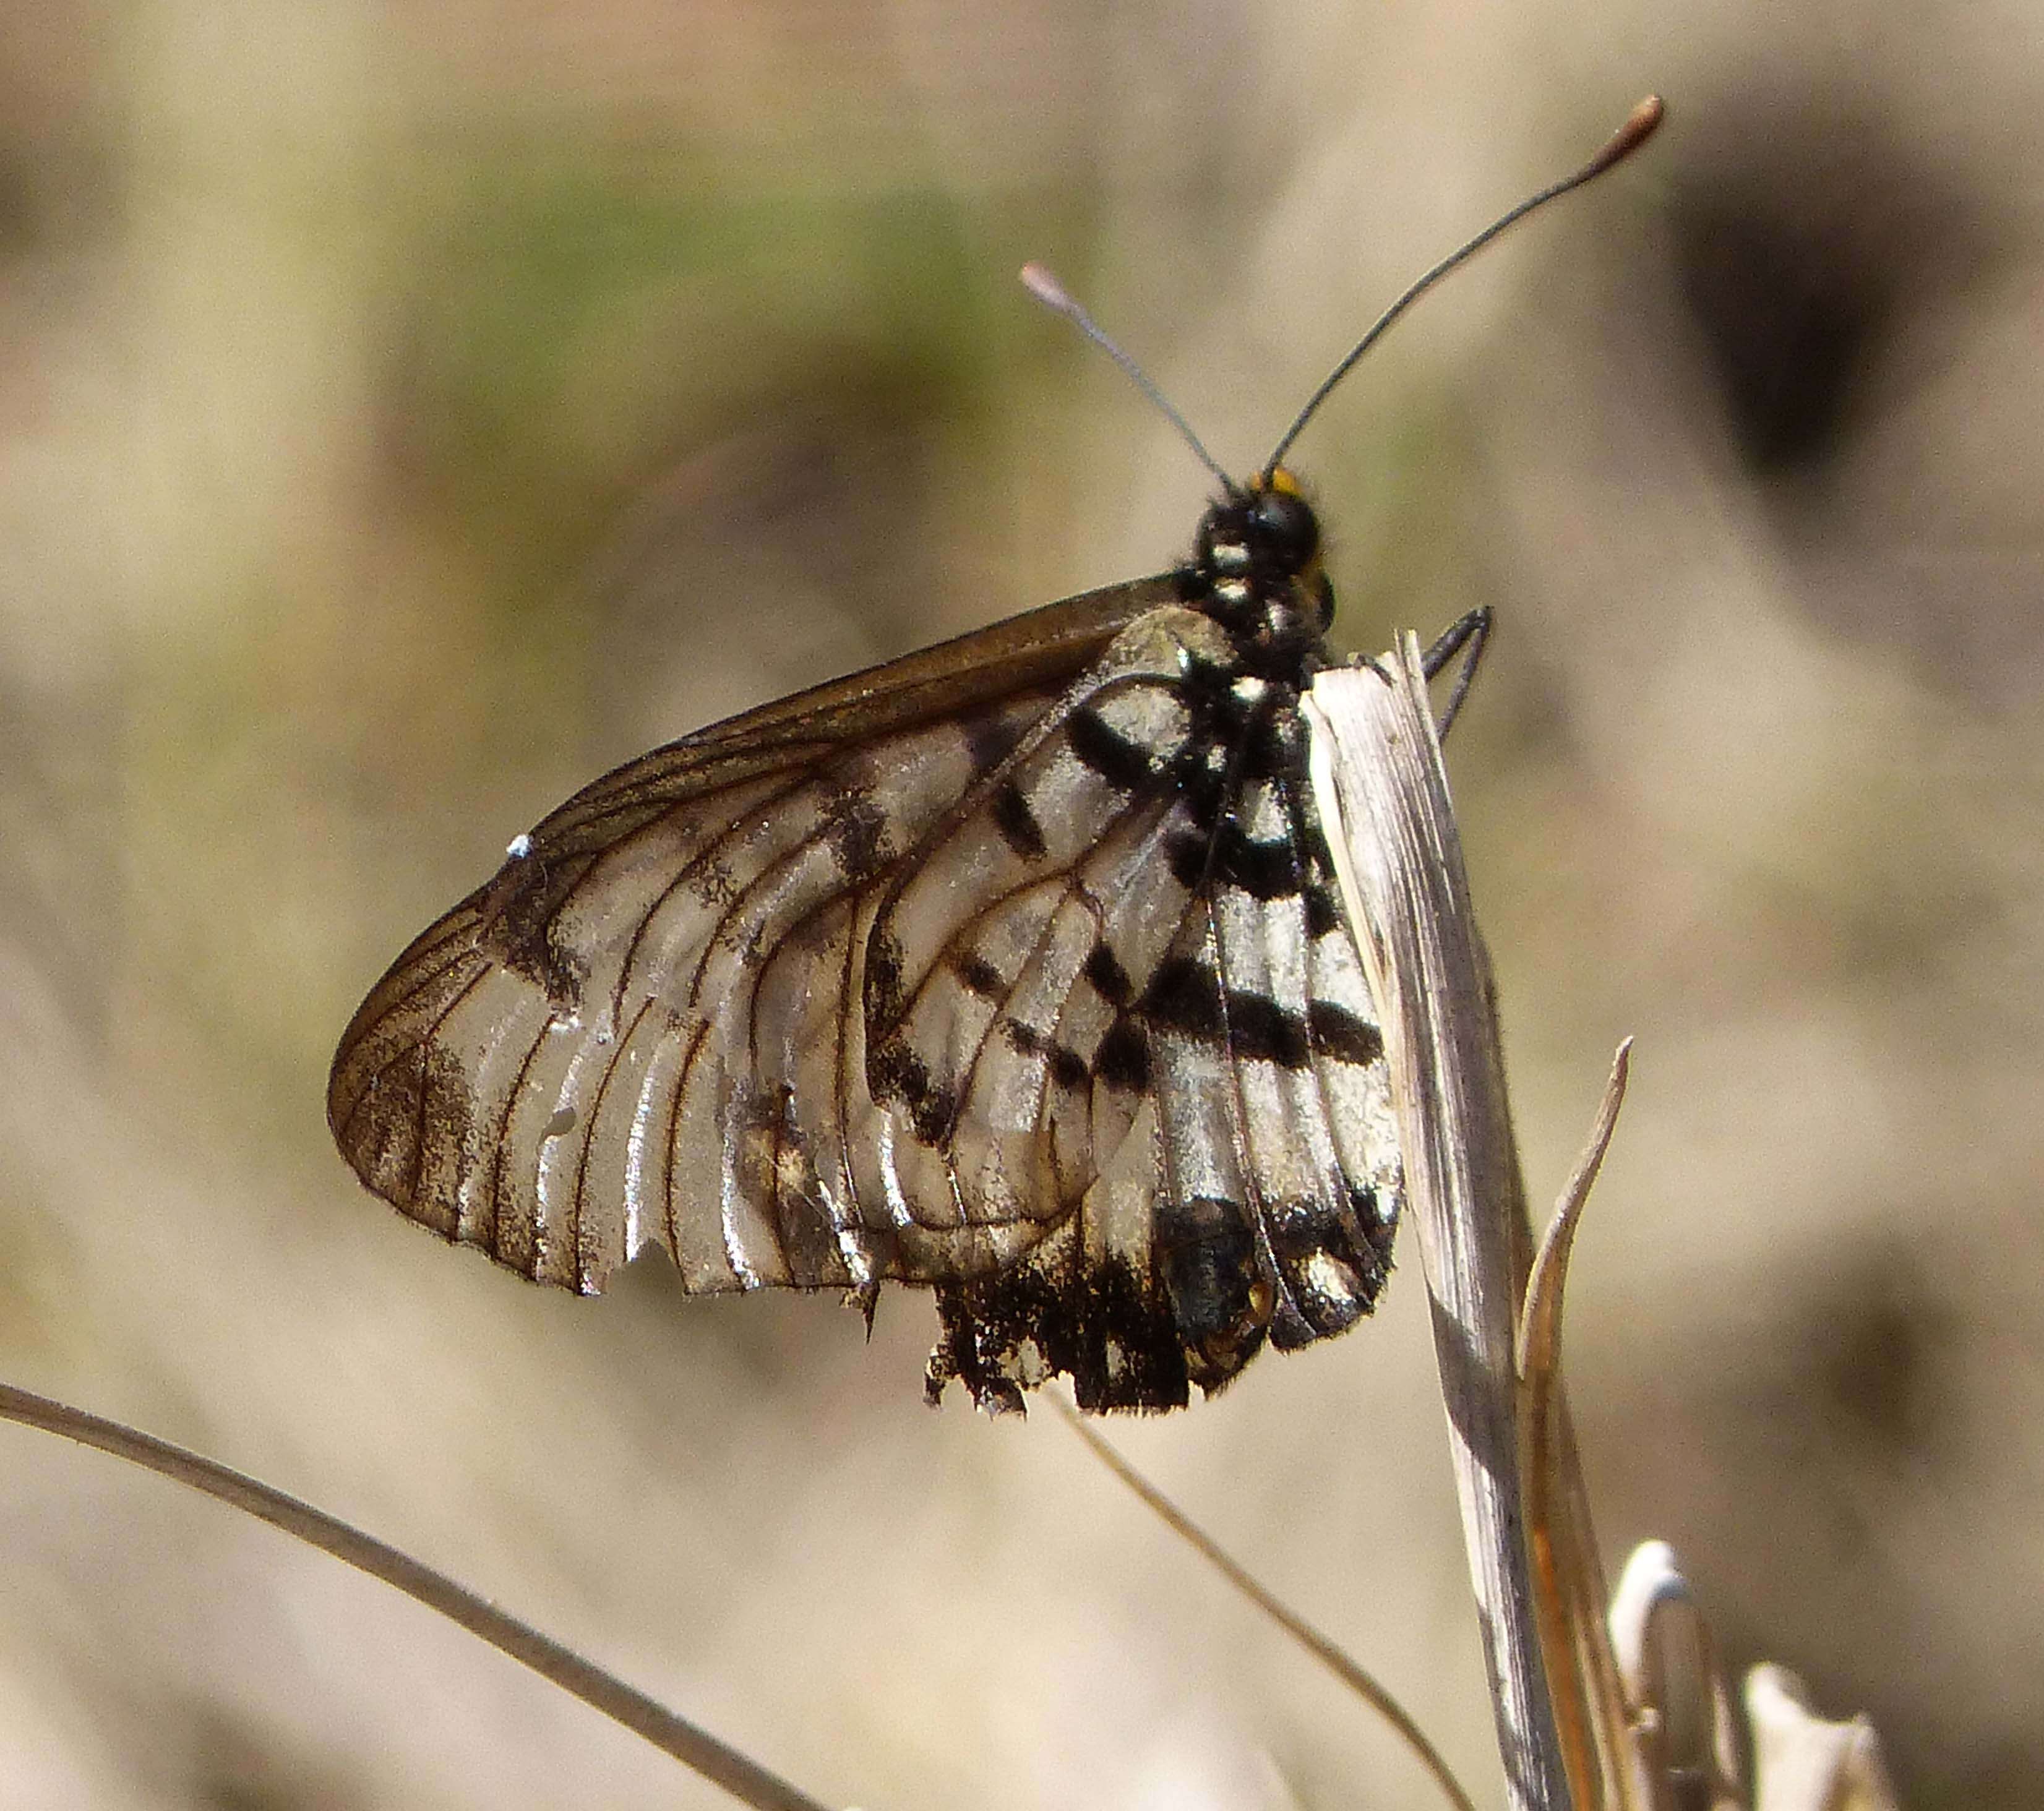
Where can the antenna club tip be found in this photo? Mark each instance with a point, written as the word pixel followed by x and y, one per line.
pixel 1037 279
pixel 1640 124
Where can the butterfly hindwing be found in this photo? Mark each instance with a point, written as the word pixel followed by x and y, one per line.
pixel 983 976
pixel 1265 1188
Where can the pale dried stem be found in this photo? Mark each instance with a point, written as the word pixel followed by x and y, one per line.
pixel 745 1779
pixel 1581 1716
pixel 1380 784
pixel 1805 1763
pixel 1591 1715
pixel 1329 1653
pixel 1652 1604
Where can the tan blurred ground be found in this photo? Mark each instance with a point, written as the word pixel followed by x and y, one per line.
pixel 407 411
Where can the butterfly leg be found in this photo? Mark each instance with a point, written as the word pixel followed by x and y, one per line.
pixel 1471 632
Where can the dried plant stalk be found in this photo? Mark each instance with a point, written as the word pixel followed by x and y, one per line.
pixel 1380 785
pixel 744 1778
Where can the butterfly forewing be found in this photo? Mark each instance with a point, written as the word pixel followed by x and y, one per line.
pixel 482 1083
pixel 1012 968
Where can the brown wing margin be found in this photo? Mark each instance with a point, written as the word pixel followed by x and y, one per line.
pixel 1041 648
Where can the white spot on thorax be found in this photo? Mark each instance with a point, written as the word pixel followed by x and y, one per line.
pixel 520 846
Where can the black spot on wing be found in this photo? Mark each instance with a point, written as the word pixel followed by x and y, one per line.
pixel 1341 1035
pixel 1186 854
pixel 1201 784
pixel 1316 861
pixel 1109 979
pixel 1263 870
pixel 989 740
pixel 856 829
pixel 1312 839
pixel 1184 995
pixel 1232 857
pixel 1023 1037
pixel 895 1073
pixel 1017 823
pixel 1260 1030
pixel 885 999
pixel 1122 1059
pixel 979 976
pixel 1122 764
pixel 518 910
pixel 1069 1069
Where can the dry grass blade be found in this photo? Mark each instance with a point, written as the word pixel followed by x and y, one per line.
pixel 1540 1323
pixel 1590 1711
pixel 1329 1655
pixel 1575 1726
pixel 1381 788
pixel 674 1735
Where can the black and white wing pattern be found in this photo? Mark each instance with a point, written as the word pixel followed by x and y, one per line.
pixel 1012 969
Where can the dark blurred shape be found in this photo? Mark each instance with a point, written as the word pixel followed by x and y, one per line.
pixel 1803 232
pixel 1881 1350
pixel 238 1763
pixel 21 207
pixel 1844 269
pixel 1789 324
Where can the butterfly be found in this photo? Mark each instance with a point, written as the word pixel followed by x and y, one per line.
pixel 1015 969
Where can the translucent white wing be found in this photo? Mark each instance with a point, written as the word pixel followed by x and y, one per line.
pixel 1011 969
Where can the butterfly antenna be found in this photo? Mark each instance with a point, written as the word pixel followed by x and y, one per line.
pixel 1053 294
pixel 1639 126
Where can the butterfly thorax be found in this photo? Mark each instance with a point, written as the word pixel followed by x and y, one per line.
pixel 1256 571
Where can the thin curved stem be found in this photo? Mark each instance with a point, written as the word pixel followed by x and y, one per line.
pixel 673 1735
pixel 1329 1654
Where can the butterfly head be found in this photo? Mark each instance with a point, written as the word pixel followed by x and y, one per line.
pixel 1257 569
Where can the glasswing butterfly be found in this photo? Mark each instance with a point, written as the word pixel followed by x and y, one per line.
pixel 1014 968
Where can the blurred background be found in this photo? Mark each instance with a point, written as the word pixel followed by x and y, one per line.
pixel 408 412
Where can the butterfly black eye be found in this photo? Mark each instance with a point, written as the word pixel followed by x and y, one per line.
pixel 1286 526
